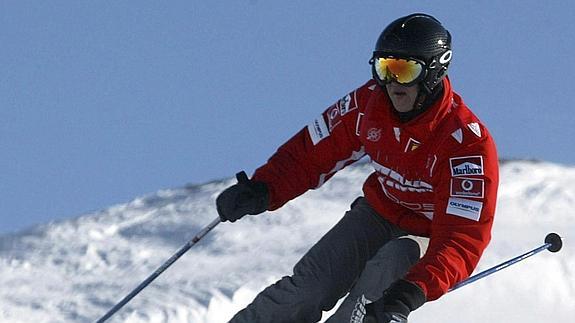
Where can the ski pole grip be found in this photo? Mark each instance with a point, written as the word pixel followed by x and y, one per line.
pixel 242 177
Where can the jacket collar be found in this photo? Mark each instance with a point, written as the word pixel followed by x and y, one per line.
pixel 424 124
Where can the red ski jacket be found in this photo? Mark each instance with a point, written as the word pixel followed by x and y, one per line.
pixel 436 175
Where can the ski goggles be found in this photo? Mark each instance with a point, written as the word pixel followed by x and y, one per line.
pixel 401 70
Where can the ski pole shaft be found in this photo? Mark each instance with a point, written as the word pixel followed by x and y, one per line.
pixel 160 270
pixel 552 243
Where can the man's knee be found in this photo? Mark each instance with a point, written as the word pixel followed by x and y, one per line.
pixel 317 290
pixel 405 248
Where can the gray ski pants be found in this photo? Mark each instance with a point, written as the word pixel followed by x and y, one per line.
pixel 334 267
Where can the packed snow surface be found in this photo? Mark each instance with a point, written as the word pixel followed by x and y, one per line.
pixel 74 271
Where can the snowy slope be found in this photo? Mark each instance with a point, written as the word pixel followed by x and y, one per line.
pixel 74 271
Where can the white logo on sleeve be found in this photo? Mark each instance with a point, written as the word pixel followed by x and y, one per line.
pixel 318 130
pixel 465 208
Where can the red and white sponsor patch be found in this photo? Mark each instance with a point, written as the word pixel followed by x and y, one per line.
pixel 333 117
pixel 346 104
pixel 466 166
pixel 467 187
pixel 342 107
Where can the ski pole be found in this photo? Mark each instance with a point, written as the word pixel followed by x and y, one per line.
pixel 552 243
pixel 160 270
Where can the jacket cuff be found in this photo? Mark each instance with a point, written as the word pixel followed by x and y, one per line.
pixel 404 295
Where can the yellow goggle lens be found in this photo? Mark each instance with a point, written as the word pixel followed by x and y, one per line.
pixel 401 70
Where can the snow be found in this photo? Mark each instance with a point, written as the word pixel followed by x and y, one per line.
pixel 74 271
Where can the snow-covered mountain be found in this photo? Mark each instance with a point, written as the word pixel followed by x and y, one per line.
pixel 74 271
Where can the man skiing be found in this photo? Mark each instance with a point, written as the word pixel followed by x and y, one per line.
pixel 435 175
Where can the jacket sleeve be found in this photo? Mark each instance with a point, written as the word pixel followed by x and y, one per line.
pixel 464 210
pixel 316 152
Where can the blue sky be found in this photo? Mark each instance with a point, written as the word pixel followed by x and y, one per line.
pixel 103 101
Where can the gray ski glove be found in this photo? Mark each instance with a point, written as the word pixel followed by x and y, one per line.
pixel 245 197
pixel 400 299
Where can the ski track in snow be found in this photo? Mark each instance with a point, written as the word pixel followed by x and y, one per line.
pixel 75 270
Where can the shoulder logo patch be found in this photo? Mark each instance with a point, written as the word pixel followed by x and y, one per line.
pixel 336 112
pixel 475 128
pixel 458 135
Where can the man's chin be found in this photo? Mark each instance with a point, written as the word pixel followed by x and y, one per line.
pixel 401 108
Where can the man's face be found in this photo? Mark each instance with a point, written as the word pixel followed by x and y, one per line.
pixel 402 97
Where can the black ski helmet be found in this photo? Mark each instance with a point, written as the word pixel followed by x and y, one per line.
pixel 417 36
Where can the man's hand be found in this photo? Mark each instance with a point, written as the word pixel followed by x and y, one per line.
pixel 400 299
pixel 245 197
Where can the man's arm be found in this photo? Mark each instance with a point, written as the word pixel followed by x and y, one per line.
pixel 328 144
pixel 465 202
